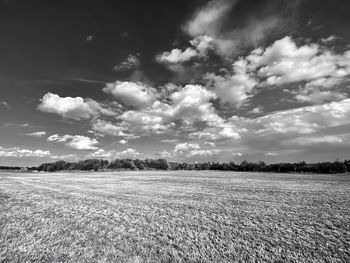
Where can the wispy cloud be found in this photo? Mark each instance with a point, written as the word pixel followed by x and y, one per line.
pixel 4 104
pixel 37 134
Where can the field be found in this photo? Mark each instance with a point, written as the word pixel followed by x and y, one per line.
pixel 176 216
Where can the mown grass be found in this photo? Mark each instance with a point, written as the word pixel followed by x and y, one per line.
pixel 174 217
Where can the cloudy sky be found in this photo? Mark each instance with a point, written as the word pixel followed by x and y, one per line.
pixel 182 80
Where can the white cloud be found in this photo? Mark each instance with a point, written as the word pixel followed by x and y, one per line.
pixel 224 131
pixel 58 138
pixel 256 110
pixel 113 154
pixel 106 127
pixel 331 38
pixel 210 30
pixel 36 134
pixel 271 153
pixel 315 95
pixel 128 153
pixel 131 62
pixel 73 108
pixel 186 106
pixel 211 20
pixel 280 132
pixel 193 103
pixel 279 128
pixel 186 147
pixel 285 62
pixel 170 140
pixel 123 141
pixel 101 153
pixel 177 55
pixel 5 104
pixel 318 71
pixel 18 152
pixel 211 144
pixel 280 50
pixel 193 149
pixel 133 94
pixel 234 89
pixel 208 19
pixel 78 142
pixel 200 46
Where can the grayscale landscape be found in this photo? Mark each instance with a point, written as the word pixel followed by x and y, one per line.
pixel 174 216
pixel 183 131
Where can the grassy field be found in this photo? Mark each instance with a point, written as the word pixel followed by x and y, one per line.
pixel 174 216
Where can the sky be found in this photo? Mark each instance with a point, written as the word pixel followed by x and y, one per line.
pixel 184 80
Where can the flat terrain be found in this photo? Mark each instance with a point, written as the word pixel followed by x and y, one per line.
pixel 176 216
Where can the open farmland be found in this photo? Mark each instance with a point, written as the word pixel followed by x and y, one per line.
pixel 175 216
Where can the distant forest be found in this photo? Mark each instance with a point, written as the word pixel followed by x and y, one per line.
pixel 163 164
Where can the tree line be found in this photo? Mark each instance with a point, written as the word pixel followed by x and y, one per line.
pixel 163 164
pixel 98 165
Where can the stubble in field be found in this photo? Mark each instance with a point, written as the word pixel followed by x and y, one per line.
pixel 174 216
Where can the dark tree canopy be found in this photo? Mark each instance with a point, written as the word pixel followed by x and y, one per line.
pixel 163 164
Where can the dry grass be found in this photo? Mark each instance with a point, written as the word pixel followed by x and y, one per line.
pixel 174 217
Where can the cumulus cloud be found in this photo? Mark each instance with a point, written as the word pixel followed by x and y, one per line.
pixel 106 127
pixel 193 149
pixel 234 89
pixel 131 62
pixel 113 154
pixel 133 94
pixel 202 44
pixel 193 103
pixel 102 127
pixel 318 72
pixel 210 29
pixel 302 120
pixel 199 48
pixel 186 106
pixel 224 131
pixel 36 134
pixel 185 147
pixel 285 62
pixel 72 108
pixel 256 110
pixel 78 142
pixel 128 153
pixel 19 152
pixel 177 55
pixel 280 130
pixel 316 95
